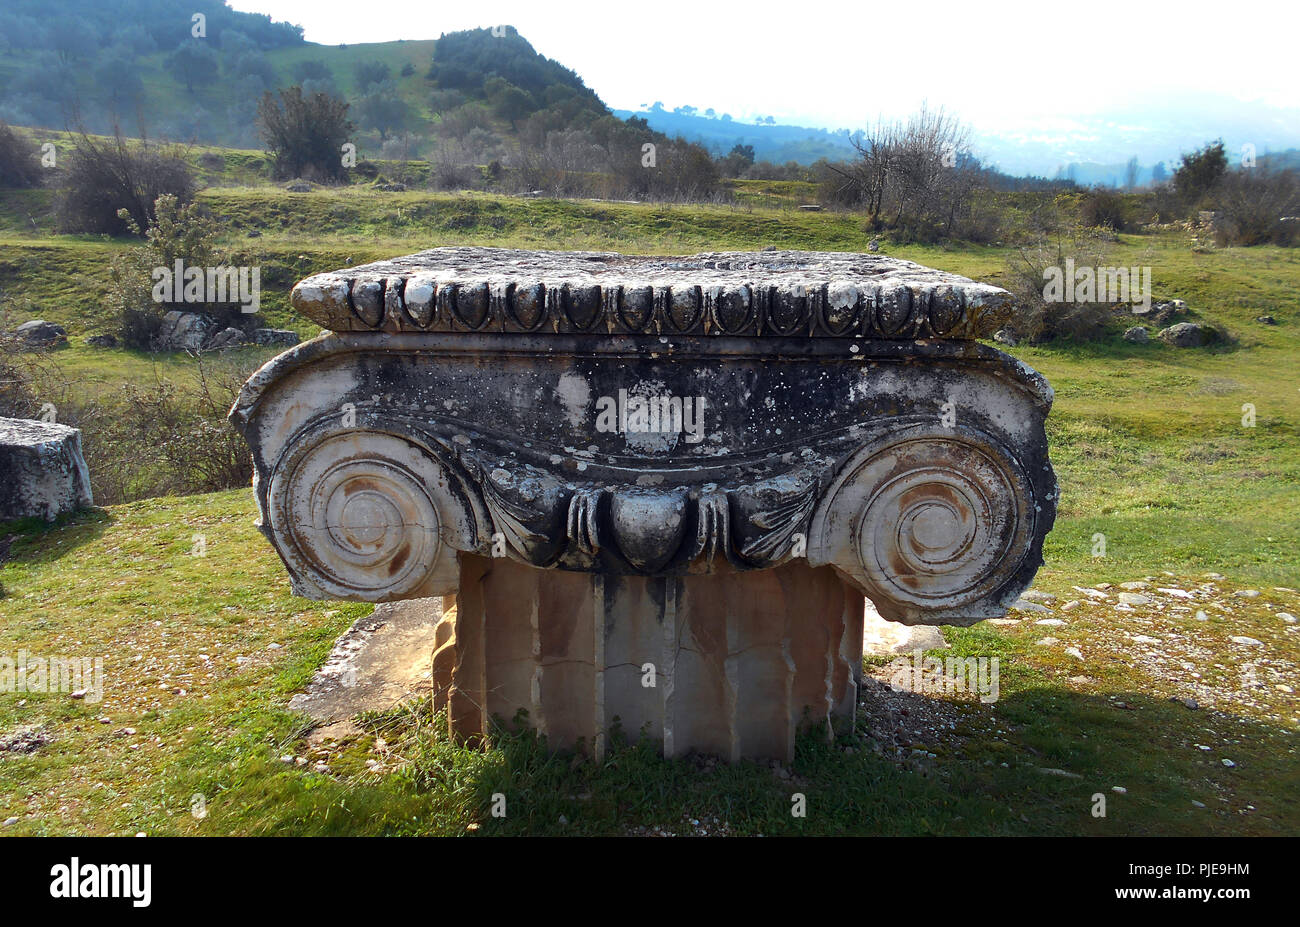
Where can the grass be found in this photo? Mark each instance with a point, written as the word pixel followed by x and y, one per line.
pixel 195 696
pixel 1147 440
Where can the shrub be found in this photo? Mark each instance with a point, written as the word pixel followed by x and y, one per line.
pixel 1252 205
pixel 19 166
pixel 1103 208
pixel 305 134
pixel 1043 320
pixel 1199 173
pixel 106 177
pixel 181 232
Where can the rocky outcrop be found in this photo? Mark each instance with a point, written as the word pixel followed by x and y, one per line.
pixel 44 472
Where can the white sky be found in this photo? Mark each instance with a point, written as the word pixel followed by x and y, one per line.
pixel 997 65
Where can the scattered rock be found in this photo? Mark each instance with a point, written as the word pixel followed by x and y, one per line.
pixel 39 333
pixel 1228 763
pixel 1188 335
pixel 10 822
pixel 1287 617
pixel 1051 622
pixel 1052 771
pixel 102 341
pixel 184 331
pixel 1247 593
pixel 1266 320
pixel 1043 598
pixel 1024 606
pixel 226 338
pixel 1247 641
pixel 1135 585
pixel 1138 334
pixel 1134 598
pixel 1186 702
pixel 298 186
pixel 1070 605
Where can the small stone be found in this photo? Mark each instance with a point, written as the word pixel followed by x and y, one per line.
pixel 1133 598
pixel 1051 622
pixel 1052 771
pixel 1247 641
pixel 1247 593
pixel 1284 688
pixel 1135 586
pixel 1024 606
pixel 1188 335
pixel 1176 593
pixel 1138 334
pixel 1186 702
pixel 287 758
pixel 1074 652
pixel 1048 642
pixel 1228 763
pixel 1215 576
pixel 1199 804
pixel 1287 617
pixel 1119 790
pixel 1070 605
pixel 1035 595
pixel 10 822
pixel 563 819
pixel 1201 616
pixel 79 694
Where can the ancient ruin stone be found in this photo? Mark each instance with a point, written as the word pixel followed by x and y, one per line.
pixel 44 473
pixel 658 487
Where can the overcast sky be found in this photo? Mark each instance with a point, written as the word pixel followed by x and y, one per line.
pixel 999 66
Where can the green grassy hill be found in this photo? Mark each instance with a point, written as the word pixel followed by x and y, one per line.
pixel 1147 440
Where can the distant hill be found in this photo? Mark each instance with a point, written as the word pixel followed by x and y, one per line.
pixel 771 141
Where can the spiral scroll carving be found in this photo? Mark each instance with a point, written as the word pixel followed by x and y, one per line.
pixel 361 514
pixel 931 522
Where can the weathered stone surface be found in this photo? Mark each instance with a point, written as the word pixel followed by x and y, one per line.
pixel 184 331
pixel 39 333
pixel 776 294
pixel 102 341
pixel 384 659
pixel 44 473
pixel 1137 335
pixel 275 336
pixel 226 338
pixel 881 637
pixel 733 664
pixel 481 433
pixel 1187 335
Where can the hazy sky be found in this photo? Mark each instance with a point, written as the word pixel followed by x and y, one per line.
pixel 999 66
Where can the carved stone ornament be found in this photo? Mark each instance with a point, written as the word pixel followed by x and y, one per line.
pixel 667 428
